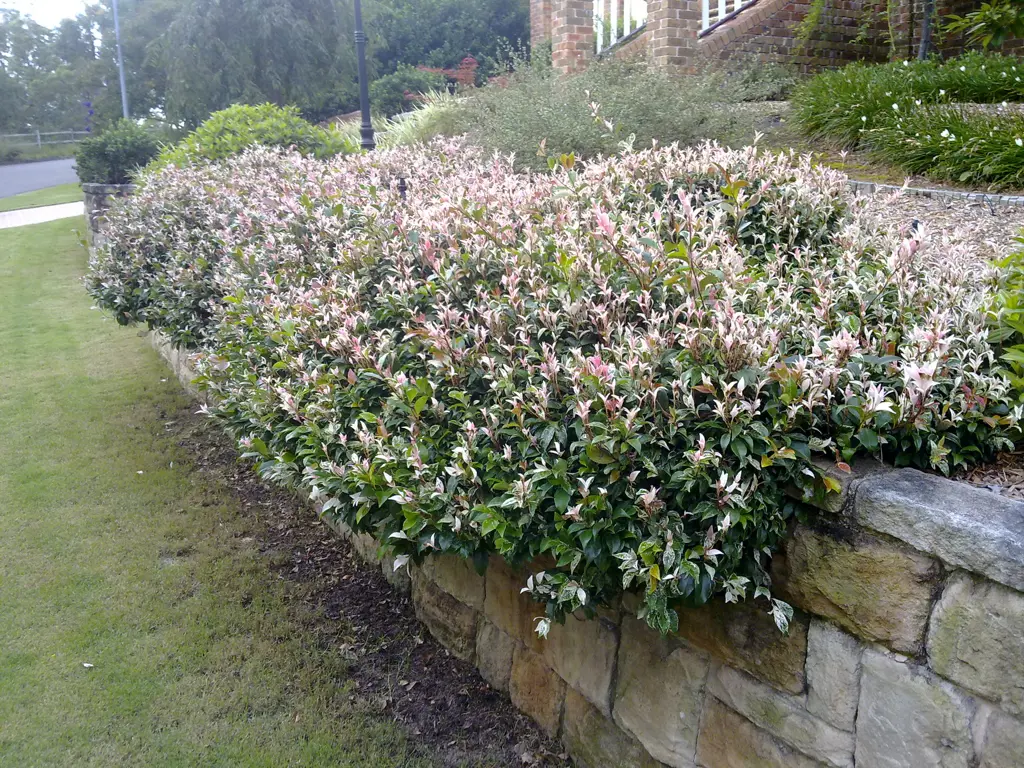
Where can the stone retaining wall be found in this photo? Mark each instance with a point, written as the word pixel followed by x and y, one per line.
pixel 906 649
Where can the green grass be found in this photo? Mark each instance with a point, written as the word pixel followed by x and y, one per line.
pixel 63 193
pixel 114 552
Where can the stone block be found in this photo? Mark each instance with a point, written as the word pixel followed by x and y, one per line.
pixel 744 635
pixel 456 576
pixel 877 590
pixel 943 518
pixel 728 740
pixel 833 674
pixel 910 718
pixel 658 693
pixel 976 639
pixel 508 608
pixel 494 651
pixel 365 547
pixel 783 716
pixel 582 652
pixel 451 622
pixel 536 690
pixel 398 578
pixel 1004 742
pixel 594 741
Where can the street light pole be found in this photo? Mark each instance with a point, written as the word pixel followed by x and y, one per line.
pixel 120 63
pixel 366 129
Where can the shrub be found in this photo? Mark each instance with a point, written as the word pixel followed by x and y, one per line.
pixel 437 113
pixel 1007 315
pixel 991 25
pixel 115 155
pixel 843 104
pixel 625 366
pixel 955 144
pixel 390 95
pixel 534 112
pixel 236 128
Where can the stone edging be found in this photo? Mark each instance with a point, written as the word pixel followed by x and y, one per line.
pixel 871 187
pixel 906 647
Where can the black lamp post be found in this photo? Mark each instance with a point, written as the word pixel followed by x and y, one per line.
pixel 366 129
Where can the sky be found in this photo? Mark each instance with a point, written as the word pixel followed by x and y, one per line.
pixel 46 12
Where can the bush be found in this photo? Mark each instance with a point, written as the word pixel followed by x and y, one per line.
pixel 1007 315
pixel 390 95
pixel 115 155
pixel 625 367
pixel 955 144
pixel 842 104
pixel 534 112
pixel 236 128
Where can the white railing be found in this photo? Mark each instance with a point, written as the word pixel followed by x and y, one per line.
pixel 713 12
pixel 615 20
pixel 41 139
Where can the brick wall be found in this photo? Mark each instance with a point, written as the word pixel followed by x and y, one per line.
pixel 540 21
pixel 572 34
pixel 767 32
pixel 906 29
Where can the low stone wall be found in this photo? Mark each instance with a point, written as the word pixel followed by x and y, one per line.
pixel 98 198
pixel 906 648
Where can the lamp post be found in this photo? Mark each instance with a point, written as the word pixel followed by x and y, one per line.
pixel 120 63
pixel 366 129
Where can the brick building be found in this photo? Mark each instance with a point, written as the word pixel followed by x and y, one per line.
pixel 681 35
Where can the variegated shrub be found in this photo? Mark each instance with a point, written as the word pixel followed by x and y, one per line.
pixel 624 369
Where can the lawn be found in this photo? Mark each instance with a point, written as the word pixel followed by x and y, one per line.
pixel 62 193
pixel 116 554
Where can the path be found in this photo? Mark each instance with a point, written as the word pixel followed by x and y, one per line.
pixel 28 177
pixel 28 216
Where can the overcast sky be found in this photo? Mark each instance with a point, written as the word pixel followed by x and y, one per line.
pixel 46 12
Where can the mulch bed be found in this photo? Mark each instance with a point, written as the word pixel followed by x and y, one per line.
pixel 399 672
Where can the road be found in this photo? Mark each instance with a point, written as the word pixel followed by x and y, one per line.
pixel 27 177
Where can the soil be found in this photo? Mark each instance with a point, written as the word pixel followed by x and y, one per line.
pixel 397 669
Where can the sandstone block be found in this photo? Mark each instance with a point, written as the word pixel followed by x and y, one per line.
pixel 833 674
pixel 451 622
pixel 536 690
pixel 976 639
pixel 457 577
pixel 744 635
pixel 783 716
pixel 494 651
pixel 1004 743
pixel 728 740
pixel 944 518
pixel 582 652
pixel 594 741
pixel 876 590
pixel 909 718
pixel 507 608
pixel 659 690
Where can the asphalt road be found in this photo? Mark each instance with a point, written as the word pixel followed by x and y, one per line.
pixel 27 177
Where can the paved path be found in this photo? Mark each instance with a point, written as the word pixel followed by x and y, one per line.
pixel 39 215
pixel 28 177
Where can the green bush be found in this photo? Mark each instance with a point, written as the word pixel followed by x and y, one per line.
pixel 842 104
pixel 631 367
pixel 389 94
pixel 955 144
pixel 1007 315
pixel 115 155
pixel 236 128
pixel 535 113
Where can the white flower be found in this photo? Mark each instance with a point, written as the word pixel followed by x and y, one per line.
pixel 964 69
pixel 896 107
pixel 863 118
pixel 942 92
pixel 1019 142
pixel 945 133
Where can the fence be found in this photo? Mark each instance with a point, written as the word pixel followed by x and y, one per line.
pixel 617 19
pixel 714 12
pixel 41 139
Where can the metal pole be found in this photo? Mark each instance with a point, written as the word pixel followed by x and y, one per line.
pixel 366 129
pixel 120 63
pixel 926 30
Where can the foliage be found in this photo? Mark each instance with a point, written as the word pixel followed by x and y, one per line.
pixel 534 113
pixel 115 155
pixel 1007 315
pixel 232 130
pixel 441 33
pixel 396 93
pixel 991 25
pixel 624 366
pixel 843 104
pixel 955 144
